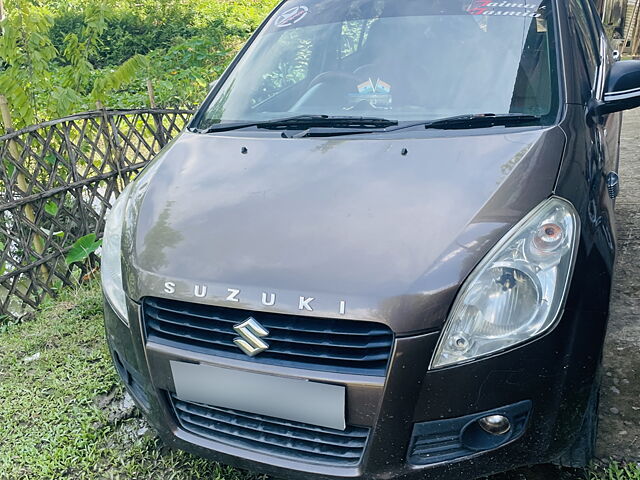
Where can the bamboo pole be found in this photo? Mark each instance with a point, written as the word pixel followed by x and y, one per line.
pixel 159 134
pixel 2 15
pixel 38 242
pixel 636 40
pixel 632 27
pixel 152 97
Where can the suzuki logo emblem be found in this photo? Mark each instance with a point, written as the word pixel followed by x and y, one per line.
pixel 249 341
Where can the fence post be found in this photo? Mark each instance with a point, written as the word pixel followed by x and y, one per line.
pixel 160 136
pixel 629 37
pixel 152 97
pixel 114 153
pixel 38 242
pixel 636 40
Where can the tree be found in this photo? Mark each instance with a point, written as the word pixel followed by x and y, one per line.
pixel 31 77
pixel 26 52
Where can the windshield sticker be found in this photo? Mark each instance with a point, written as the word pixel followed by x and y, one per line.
pixel 512 9
pixel 382 87
pixel 291 16
pixel 368 87
pixel 377 95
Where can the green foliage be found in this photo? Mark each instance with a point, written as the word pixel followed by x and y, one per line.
pixel 114 79
pixel 58 57
pixel 78 48
pixel 140 30
pixel 51 208
pixel 615 471
pixel 26 51
pixel 82 249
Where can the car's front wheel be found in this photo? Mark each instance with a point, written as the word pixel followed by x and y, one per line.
pixel 579 455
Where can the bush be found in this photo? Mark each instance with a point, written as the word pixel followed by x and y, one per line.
pixel 61 56
pixel 129 32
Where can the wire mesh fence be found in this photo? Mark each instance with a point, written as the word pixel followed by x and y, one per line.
pixel 57 181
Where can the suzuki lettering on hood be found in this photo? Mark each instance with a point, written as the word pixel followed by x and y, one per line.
pixel 268 299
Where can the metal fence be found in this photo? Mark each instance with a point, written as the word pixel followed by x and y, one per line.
pixel 57 181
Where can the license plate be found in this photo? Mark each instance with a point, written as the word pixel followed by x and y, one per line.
pixel 303 401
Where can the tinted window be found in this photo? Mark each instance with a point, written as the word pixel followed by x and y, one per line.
pixel 405 60
pixel 583 26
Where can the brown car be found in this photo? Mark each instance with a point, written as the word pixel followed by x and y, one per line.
pixel 383 247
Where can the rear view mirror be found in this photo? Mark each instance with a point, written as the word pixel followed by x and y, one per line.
pixel 622 90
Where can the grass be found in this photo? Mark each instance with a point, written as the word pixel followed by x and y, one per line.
pixel 616 471
pixel 55 371
pixel 58 395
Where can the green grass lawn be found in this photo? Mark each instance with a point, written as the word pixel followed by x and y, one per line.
pixel 61 412
pixel 615 471
pixel 55 375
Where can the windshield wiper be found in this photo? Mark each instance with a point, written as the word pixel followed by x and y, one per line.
pixel 305 122
pixel 482 120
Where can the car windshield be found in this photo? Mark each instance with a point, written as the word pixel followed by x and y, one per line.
pixel 403 60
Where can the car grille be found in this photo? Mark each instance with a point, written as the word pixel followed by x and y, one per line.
pixel 282 438
pixel 336 345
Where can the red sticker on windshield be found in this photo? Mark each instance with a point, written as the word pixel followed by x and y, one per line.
pixel 487 7
pixel 291 16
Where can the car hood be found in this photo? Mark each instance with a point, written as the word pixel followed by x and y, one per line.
pixel 364 229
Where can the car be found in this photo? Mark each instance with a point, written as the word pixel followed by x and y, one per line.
pixel 383 246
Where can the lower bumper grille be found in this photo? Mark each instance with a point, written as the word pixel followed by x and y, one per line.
pixel 282 438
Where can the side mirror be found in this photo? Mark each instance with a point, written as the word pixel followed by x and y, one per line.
pixel 622 90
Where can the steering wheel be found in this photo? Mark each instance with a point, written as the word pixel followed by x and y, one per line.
pixel 331 76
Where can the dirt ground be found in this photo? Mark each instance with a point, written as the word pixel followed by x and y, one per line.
pixel 619 435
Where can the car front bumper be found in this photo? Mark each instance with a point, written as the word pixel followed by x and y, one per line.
pixel 547 381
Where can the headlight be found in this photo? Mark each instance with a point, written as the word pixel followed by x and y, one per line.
pixel 111 256
pixel 517 291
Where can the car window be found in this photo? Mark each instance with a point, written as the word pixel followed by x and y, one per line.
pixel 584 29
pixel 405 60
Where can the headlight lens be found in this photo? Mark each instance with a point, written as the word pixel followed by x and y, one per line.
pixel 517 291
pixel 111 256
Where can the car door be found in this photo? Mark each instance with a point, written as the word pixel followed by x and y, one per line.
pixel 612 123
pixel 595 58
